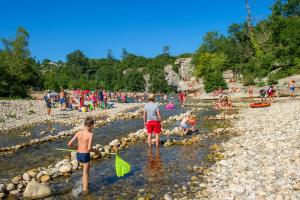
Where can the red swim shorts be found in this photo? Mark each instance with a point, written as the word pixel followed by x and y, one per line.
pixel 153 126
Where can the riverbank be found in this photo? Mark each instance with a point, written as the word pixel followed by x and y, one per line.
pixel 23 113
pixel 264 161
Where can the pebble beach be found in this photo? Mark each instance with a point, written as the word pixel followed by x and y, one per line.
pixel 263 163
pixel 23 113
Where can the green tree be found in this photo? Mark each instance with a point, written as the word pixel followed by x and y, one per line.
pixel 77 63
pixel 17 65
pixel 134 81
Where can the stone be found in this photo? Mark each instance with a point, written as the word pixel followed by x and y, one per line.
pixel 40 174
pixel 35 190
pixel 26 177
pixel 16 179
pixel 74 164
pixel 167 197
pixel 65 168
pixel 115 142
pixel 2 188
pixel 32 173
pixel 142 190
pixel 10 187
pixel 2 195
pixel 14 192
pixel 45 178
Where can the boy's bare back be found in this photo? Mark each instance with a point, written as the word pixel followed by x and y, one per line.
pixel 84 141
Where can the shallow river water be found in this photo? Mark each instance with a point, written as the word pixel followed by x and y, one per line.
pixel 154 172
pixel 45 154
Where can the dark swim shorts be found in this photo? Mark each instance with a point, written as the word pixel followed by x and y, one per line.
pixel 62 100
pixel 48 105
pixel 83 157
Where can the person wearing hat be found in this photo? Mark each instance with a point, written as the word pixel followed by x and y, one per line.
pixel 152 120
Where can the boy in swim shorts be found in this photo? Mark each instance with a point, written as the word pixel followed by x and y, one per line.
pixel 84 140
pixel 152 120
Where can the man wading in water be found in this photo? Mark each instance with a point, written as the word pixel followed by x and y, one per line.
pixel 152 120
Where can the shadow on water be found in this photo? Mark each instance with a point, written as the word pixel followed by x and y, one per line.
pixel 45 154
pixel 153 171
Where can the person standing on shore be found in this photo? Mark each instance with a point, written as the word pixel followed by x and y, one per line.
pixel 85 140
pixel 47 99
pixel 292 89
pixel 250 93
pixel 152 120
pixel 181 97
pixel 62 99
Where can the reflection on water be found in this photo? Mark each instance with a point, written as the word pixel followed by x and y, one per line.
pixel 154 167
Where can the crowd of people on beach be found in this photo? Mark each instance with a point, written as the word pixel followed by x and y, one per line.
pixel 87 100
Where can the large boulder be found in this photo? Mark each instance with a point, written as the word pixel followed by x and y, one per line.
pixel 35 190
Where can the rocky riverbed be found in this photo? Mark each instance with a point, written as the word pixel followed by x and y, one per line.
pixel 263 162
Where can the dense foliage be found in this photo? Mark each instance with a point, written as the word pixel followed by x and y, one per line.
pixel 272 44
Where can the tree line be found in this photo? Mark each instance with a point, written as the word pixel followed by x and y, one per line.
pixel 20 72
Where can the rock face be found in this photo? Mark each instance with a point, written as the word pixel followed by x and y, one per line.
pixel 184 79
pixel 35 190
pixel 171 76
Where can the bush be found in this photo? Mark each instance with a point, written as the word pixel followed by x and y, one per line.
pixel 272 81
pixel 248 79
pixel 213 81
pixel 261 84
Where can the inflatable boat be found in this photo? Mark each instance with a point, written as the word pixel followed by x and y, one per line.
pixel 259 105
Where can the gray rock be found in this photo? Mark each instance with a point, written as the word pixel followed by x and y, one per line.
pixel 40 174
pixel 10 187
pixel 20 186
pixel 35 190
pixel 115 142
pixel 26 177
pixel 2 188
pixel 74 164
pixel 14 192
pixel 2 195
pixel 32 173
pixel 167 197
pixel 16 179
pixel 142 190
pixel 65 168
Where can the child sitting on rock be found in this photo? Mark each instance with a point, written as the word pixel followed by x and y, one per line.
pixel 188 124
pixel 84 138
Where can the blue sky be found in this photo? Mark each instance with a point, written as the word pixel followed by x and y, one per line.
pixel 58 27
